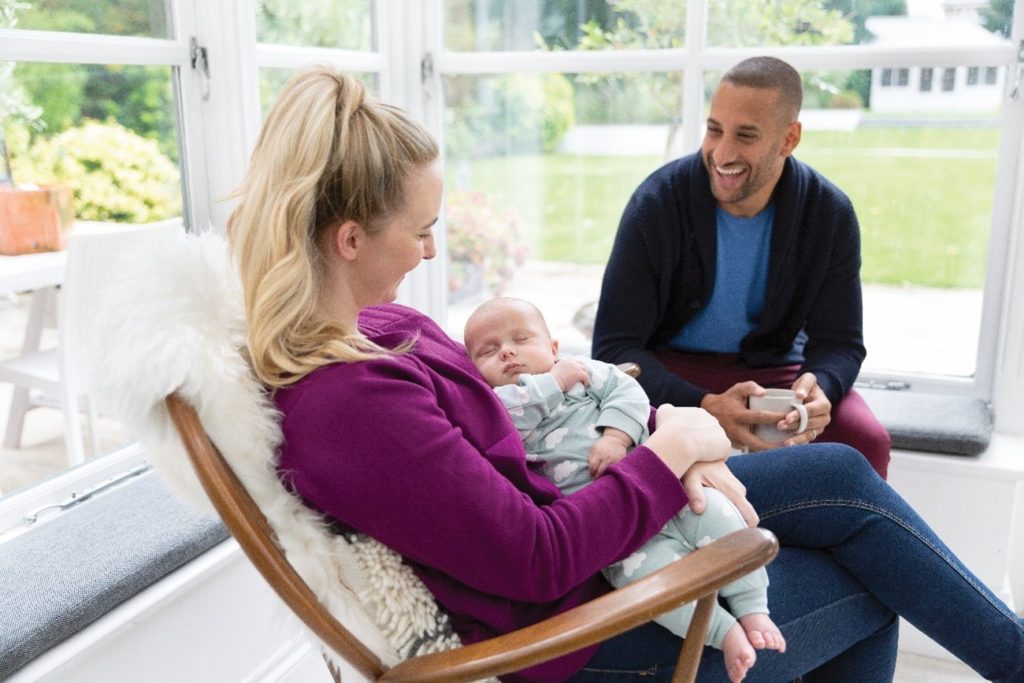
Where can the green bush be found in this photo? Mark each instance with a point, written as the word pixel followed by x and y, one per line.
pixel 115 174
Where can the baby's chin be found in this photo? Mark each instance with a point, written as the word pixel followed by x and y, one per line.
pixel 506 380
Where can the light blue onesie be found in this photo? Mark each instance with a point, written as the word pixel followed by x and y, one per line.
pixel 559 429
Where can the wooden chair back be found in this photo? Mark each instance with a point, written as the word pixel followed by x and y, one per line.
pixel 697 576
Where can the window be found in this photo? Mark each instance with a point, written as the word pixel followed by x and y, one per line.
pixel 290 35
pixel 101 114
pixel 926 79
pixel 948 79
pixel 558 168
pixel 551 113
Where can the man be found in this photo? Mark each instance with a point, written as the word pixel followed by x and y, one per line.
pixel 738 268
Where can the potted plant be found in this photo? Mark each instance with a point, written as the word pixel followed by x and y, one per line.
pixel 484 245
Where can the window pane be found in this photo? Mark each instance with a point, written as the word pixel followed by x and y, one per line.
pixel 920 169
pixel 273 79
pixel 762 23
pixel 110 134
pixel 926 79
pixel 757 23
pixel 108 131
pixel 539 170
pixel 345 24
pixel 142 18
pixel 563 24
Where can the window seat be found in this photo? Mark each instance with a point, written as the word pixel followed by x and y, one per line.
pixel 934 423
pixel 72 570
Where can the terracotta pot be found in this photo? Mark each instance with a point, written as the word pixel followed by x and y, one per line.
pixel 35 219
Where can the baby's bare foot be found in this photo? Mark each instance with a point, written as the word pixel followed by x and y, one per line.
pixel 739 655
pixel 762 632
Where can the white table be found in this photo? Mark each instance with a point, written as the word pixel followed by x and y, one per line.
pixel 40 274
pixel 31 272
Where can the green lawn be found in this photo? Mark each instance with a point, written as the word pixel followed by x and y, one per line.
pixel 923 196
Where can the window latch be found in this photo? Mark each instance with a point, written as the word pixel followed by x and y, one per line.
pixel 426 68
pixel 1015 93
pixel 200 63
pixel 888 385
pixel 78 497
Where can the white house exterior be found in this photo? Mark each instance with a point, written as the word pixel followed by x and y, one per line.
pixel 917 89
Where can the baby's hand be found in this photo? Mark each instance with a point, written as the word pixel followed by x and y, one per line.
pixel 569 371
pixel 610 448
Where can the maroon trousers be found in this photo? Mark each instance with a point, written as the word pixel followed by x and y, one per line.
pixel 852 420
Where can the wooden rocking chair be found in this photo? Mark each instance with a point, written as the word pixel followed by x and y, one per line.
pixel 697 576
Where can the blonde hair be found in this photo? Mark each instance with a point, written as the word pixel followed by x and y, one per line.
pixel 327 153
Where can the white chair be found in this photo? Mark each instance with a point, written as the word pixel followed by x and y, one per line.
pixel 60 376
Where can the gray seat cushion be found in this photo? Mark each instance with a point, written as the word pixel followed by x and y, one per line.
pixel 938 423
pixel 59 578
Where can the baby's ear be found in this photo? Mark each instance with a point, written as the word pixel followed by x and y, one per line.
pixel 554 347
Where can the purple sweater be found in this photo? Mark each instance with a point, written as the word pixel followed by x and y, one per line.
pixel 417 451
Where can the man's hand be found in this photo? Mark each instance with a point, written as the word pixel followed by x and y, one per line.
pixel 730 408
pixel 819 410
pixel 731 411
pixel 609 448
pixel 568 371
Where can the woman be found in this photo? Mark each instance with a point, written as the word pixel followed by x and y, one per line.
pixel 389 429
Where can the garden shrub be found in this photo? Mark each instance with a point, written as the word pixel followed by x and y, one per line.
pixel 116 175
pixel 484 244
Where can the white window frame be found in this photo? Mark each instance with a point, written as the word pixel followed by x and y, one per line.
pixel 218 133
pixel 23 45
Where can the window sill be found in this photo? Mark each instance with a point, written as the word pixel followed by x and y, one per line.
pixel 934 423
pixel 72 570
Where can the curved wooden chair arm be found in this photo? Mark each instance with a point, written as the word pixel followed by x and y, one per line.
pixel 697 576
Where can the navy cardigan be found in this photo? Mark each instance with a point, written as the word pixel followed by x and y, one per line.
pixel 662 269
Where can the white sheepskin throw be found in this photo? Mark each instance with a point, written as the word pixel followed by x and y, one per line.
pixel 176 324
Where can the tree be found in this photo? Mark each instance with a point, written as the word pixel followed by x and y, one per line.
pixel 857 13
pixel 752 23
pixel 139 98
pixel 315 23
pixel 998 17
pixel 516 25
pixel 735 23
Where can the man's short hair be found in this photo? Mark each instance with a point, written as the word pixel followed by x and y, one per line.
pixel 770 73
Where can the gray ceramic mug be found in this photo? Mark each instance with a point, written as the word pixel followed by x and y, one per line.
pixel 778 401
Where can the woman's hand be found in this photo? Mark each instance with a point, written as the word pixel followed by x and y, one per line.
pixel 684 436
pixel 717 476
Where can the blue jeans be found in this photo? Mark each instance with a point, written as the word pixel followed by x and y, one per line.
pixel 854 555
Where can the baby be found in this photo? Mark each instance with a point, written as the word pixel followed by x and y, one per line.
pixel 579 417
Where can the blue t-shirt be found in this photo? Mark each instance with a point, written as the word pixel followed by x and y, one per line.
pixel 741 275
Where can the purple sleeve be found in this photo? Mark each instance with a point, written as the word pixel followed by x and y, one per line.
pixel 379 453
